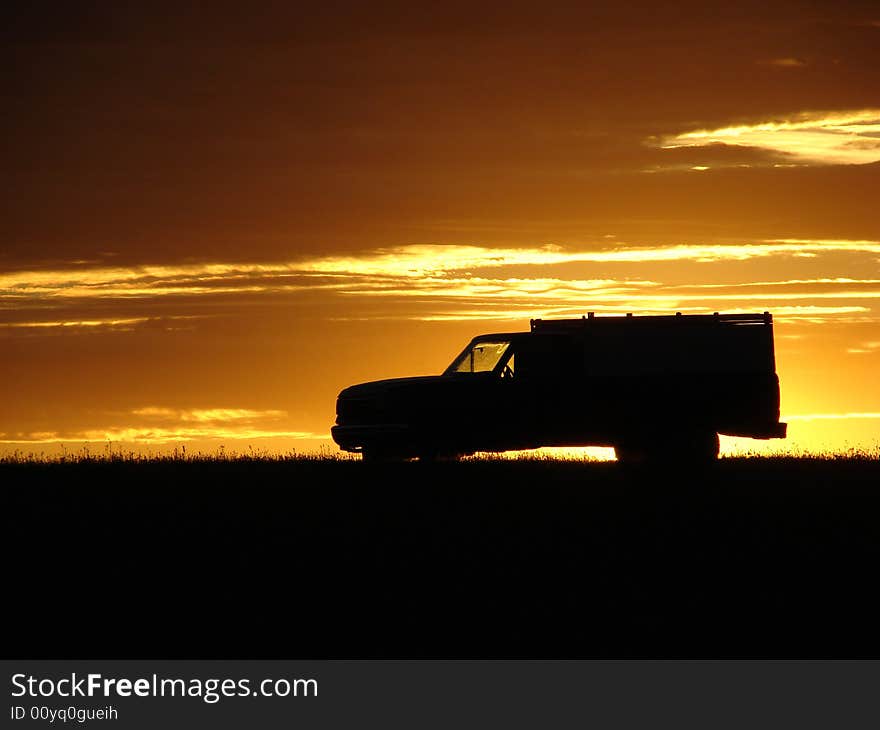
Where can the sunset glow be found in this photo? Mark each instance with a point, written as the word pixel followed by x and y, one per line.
pixel 209 234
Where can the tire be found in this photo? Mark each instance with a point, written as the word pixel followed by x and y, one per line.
pixel 631 453
pixel 380 456
pixel 702 447
pixel 433 457
pixel 689 447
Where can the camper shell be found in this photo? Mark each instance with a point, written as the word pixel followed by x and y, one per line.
pixel 652 387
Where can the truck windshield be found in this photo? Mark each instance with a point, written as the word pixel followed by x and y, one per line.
pixel 481 357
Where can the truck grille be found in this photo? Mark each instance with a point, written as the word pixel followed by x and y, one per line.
pixel 357 410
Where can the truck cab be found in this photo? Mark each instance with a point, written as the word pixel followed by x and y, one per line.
pixel 652 387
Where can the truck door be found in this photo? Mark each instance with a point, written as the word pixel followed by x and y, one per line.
pixel 549 388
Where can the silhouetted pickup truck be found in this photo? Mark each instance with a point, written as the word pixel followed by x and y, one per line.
pixel 653 387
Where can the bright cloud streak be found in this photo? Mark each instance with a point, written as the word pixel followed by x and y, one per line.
pixel 866 348
pixel 146 435
pixel 427 259
pixel 789 282
pixel 831 138
pixel 165 425
pixel 166 435
pixel 207 415
pixel 440 284
pixel 79 323
pixel 570 290
pixel 504 311
pixel 831 416
pixel 412 261
pixel 784 62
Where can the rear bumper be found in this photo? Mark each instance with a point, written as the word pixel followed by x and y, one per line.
pixel 354 438
pixel 772 431
pixel 762 431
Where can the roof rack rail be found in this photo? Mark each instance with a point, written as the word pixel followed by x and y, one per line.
pixel 590 320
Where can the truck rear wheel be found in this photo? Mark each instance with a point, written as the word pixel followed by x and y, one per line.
pixel 430 456
pixel 695 447
pixel 699 447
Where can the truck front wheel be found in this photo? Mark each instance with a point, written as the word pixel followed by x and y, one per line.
pixel 378 455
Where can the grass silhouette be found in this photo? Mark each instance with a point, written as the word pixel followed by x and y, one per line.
pixel 257 555
pixel 325 454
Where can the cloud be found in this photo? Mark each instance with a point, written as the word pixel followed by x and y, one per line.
pixel 159 425
pixel 75 325
pixel 439 282
pixel 831 416
pixel 517 311
pixel 207 415
pixel 81 323
pixel 790 282
pixel 146 281
pixel 611 294
pixel 826 138
pixel 155 435
pixel 865 348
pixel 408 261
pixel 784 62
pixel 421 260
pixel 166 435
pixel 711 155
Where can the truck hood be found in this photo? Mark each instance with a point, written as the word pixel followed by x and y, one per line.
pixel 376 388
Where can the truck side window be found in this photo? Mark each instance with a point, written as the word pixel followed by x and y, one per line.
pixel 481 357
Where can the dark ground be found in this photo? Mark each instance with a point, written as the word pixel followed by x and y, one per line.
pixel 312 559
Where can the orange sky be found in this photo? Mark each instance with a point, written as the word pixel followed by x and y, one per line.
pixel 213 222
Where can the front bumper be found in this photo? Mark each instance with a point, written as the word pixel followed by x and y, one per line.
pixel 355 438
